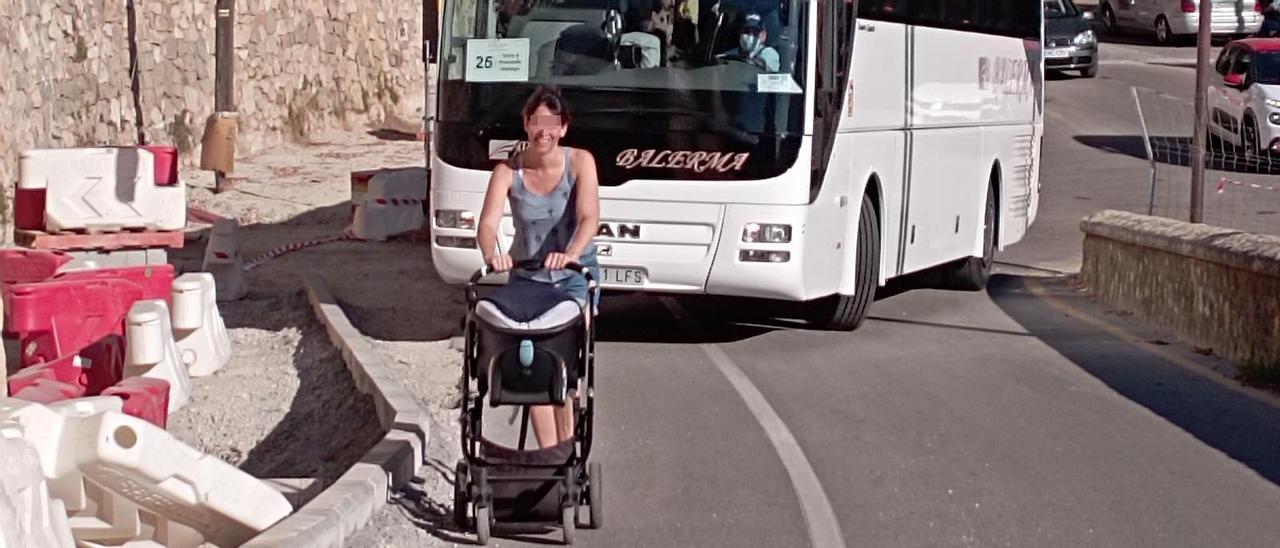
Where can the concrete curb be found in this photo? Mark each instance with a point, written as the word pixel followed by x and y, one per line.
pixel 348 504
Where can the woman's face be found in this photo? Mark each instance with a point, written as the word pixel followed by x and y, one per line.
pixel 545 129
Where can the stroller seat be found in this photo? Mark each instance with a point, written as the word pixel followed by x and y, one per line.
pixel 528 344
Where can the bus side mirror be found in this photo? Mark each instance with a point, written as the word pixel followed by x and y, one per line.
pixel 1234 80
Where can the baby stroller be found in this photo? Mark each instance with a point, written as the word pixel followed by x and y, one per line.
pixel 528 343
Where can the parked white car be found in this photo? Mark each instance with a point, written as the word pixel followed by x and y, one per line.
pixel 1244 103
pixel 1170 20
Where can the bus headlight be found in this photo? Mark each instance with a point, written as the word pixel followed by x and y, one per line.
pixel 455 218
pixel 1273 103
pixel 763 256
pixel 766 233
pixel 1085 39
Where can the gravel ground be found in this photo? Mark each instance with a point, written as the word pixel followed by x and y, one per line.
pixel 285 406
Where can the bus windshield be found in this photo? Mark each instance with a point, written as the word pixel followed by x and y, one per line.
pixel 731 70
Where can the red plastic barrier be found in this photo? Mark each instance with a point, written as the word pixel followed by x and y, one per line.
pixel 101 366
pixel 145 398
pixel 28 208
pixel 23 266
pixel 48 391
pixel 30 265
pixel 63 318
pixel 156 281
pixel 61 376
pixel 166 163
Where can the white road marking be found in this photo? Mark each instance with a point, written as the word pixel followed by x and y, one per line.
pixel 824 528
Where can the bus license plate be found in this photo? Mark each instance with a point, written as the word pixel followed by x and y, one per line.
pixel 615 276
pixel 1058 53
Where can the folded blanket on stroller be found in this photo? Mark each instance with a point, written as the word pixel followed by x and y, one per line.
pixel 524 300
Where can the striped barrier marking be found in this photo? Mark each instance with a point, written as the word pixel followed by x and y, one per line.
pixel 346 235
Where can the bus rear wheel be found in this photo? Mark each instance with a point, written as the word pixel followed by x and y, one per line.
pixel 972 273
pixel 847 312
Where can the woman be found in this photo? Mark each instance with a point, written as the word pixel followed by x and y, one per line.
pixel 555 205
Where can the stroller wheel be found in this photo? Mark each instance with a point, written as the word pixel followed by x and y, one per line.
pixel 595 495
pixel 484 521
pixel 461 478
pixel 567 521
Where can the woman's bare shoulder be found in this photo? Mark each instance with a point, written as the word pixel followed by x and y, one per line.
pixel 582 156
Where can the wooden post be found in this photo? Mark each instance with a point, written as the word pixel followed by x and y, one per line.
pixel 224 73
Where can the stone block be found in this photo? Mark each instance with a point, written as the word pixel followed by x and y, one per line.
pixel 1215 287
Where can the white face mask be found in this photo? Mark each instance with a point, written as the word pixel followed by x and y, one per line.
pixel 748 42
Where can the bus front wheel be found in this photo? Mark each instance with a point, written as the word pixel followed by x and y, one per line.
pixel 847 312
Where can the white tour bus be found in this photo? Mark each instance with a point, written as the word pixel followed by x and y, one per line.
pixel 852 143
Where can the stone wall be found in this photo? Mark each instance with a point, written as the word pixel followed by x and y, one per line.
pixel 301 66
pixel 1214 287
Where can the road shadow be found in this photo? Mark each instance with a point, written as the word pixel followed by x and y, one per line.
pixel 1176 151
pixel 1244 428
pixel 393 135
pixel 644 318
pixel 434 517
pixel 389 290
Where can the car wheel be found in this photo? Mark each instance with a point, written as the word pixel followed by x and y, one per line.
pixel 1109 20
pixel 1164 34
pixel 1249 138
pixel 1090 72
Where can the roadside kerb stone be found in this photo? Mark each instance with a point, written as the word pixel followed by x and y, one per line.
pixel 1216 288
pixel 349 504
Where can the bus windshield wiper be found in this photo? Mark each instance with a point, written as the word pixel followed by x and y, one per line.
pixel 716 124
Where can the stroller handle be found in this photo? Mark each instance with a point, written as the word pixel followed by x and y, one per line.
pixel 532 265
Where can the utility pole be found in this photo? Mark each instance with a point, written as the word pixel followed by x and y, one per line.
pixel 1199 138
pixel 224 79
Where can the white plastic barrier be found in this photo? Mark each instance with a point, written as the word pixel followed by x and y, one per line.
pixel 152 352
pixel 392 204
pixel 83 407
pixel 102 189
pixel 28 517
pixel 198 329
pixel 125 481
pixel 222 259
pixel 93 259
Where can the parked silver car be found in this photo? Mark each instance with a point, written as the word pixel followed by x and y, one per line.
pixel 1170 20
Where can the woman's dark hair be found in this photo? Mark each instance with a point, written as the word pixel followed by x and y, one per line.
pixel 547 96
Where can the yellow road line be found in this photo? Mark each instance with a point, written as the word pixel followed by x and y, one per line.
pixel 1044 295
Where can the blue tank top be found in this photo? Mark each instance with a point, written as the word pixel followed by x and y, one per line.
pixel 545 224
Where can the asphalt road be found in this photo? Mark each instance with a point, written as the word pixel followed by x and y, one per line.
pixel 1022 415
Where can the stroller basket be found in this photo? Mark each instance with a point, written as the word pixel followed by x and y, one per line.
pixel 528 485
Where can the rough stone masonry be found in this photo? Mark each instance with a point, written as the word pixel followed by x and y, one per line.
pixel 301 66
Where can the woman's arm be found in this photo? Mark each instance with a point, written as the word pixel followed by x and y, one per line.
pixel 495 199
